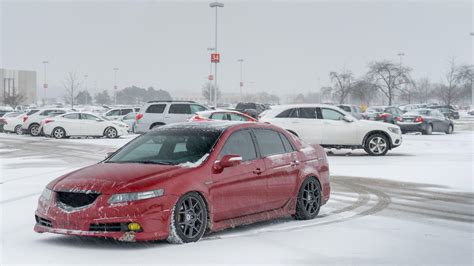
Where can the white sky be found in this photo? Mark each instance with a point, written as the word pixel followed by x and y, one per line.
pixel 286 45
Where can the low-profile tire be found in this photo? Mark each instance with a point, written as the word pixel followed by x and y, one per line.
pixel 58 133
pixel 308 202
pixel 428 130
pixel 450 129
pixel 34 130
pixel 188 221
pixel 111 133
pixel 376 145
pixel 18 130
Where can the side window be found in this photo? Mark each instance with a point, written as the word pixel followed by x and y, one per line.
pixel 113 113
pixel 180 109
pixel 89 117
pixel 286 143
pixel 240 143
pixel 125 111
pixel 219 116
pixel 290 113
pixel 197 108
pixel 309 113
pixel 237 117
pixel 72 116
pixel 269 142
pixel 156 108
pixel 47 112
pixel 330 114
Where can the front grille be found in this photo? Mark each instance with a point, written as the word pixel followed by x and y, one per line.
pixel 76 199
pixel 43 222
pixel 111 227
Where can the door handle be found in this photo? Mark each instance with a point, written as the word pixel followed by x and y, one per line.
pixel 258 171
pixel 295 163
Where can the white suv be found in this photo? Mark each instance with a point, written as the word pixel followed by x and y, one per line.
pixel 32 120
pixel 332 127
pixel 158 113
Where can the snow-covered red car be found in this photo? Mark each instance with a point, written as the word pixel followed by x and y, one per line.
pixel 222 115
pixel 180 180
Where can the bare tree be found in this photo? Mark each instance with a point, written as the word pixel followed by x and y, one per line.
pixel 422 90
pixel 363 92
pixel 71 84
pixel 14 99
pixel 456 78
pixel 208 92
pixel 343 84
pixel 388 77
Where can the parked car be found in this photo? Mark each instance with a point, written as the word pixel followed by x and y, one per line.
pixel 32 120
pixel 409 107
pixel 118 113
pixel 387 114
pixel 14 123
pixel 447 111
pixel 6 118
pixel 130 119
pixel 159 113
pixel 178 181
pixel 222 115
pixel 332 127
pixel 470 112
pixel 353 110
pixel 82 124
pixel 425 121
pixel 250 109
pixel 5 109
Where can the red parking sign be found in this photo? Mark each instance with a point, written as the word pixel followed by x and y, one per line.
pixel 215 58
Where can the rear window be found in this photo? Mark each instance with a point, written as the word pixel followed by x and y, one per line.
pixel 243 106
pixel 288 113
pixel 418 112
pixel 156 108
pixel 269 142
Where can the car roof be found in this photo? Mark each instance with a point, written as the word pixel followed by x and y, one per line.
pixel 217 125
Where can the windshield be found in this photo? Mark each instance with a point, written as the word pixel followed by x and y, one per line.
pixel 418 112
pixel 169 146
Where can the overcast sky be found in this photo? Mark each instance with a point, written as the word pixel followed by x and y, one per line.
pixel 287 45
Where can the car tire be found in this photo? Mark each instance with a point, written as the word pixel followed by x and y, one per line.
pixel 188 221
pixel 18 130
pixel 450 129
pixel 34 130
pixel 308 201
pixel 58 133
pixel 429 130
pixel 376 145
pixel 111 133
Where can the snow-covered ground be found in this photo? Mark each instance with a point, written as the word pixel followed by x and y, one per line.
pixel 413 206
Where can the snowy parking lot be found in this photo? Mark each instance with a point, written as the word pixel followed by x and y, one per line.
pixel 415 205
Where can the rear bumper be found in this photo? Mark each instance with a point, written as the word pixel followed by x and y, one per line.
pixel 412 127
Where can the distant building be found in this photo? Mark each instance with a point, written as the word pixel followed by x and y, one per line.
pixel 18 82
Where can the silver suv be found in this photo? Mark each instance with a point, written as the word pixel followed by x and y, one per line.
pixel 158 113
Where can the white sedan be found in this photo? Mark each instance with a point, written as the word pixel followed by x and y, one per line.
pixel 13 122
pixel 82 124
pixel 332 127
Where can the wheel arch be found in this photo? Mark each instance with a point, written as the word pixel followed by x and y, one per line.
pixel 373 132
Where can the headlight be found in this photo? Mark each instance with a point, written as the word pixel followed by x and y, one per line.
pixel 125 197
pixel 47 194
pixel 395 130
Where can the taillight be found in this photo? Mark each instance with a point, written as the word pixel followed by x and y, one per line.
pixel 399 119
pixel 139 116
pixel 46 121
pixel 419 119
pixel 25 118
pixel 383 115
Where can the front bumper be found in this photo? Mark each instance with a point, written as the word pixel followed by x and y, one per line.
pixel 152 214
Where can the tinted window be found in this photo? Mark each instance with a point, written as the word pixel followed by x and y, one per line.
pixel 180 109
pixel 237 117
pixel 48 112
pixel 288 113
pixel 345 108
pixel 240 143
pixel 71 116
pixel 330 114
pixel 269 142
pixel 156 108
pixel 197 108
pixel 125 111
pixel 307 113
pixel 219 116
pixel 243 106
pixel 286 143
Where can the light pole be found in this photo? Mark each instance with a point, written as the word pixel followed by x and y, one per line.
pixel 115 69
pixel 85 88
pixel 241 83
pixel 45 84
pixel 210 77
pixel 215 5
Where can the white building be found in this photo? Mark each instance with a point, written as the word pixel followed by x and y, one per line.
pixel 18 82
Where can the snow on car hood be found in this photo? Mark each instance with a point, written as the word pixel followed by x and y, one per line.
pixel 109 178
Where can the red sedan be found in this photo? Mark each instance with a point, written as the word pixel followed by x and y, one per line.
pixel 180 180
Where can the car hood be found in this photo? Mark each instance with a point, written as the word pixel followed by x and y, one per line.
pixel 373 124
pixel 110 178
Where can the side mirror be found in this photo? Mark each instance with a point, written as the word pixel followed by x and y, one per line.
pixel 228 160
pixel 348 119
